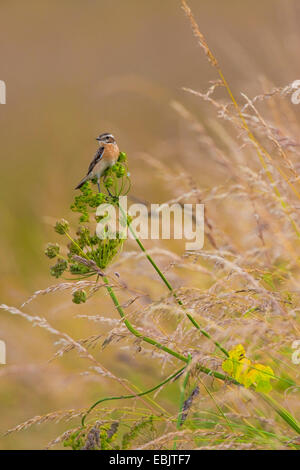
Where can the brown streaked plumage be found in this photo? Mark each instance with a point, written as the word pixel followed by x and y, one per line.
pixel 105 157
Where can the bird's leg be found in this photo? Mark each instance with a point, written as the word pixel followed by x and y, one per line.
pixel 98 184
pixel 109 193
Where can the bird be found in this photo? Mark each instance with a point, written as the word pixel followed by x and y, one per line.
pixel 105 157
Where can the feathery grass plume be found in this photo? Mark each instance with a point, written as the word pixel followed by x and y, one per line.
pixel 261 151
pixel 57 416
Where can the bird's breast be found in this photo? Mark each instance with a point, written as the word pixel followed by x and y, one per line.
pixel 109 158
pixel 111 153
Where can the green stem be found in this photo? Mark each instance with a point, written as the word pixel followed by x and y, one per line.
pixel 139 335
pixel 134 331
pixel 141 394
pixel 283 413
pixel 182 394
pixel 166 282
pixel 76 244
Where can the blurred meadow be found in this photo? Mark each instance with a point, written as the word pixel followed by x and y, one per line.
pixel 74 69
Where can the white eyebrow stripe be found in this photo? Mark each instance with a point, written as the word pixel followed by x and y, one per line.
pixel 102 136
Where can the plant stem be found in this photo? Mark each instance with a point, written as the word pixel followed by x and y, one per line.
pixel 166 282
pixel 132 396
pixel 134 331
pixel 175 354
pixel 288 418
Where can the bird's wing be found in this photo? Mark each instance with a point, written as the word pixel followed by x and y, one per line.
pixel 96 159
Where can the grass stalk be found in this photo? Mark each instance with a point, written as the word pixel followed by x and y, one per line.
pixel 181 400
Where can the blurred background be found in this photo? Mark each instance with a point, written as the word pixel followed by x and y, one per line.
pixel 74 69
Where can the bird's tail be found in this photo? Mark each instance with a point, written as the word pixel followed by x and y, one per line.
pixel 86 178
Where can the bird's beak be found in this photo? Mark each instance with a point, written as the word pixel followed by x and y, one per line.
pixel 98 138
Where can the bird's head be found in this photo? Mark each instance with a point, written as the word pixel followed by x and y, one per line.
pixel 106 138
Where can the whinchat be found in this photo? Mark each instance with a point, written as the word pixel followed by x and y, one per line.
pixel 105 157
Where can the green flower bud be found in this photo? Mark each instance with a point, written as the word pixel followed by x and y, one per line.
pixel 52 250
pixel 61 226
pixel 73 249
pixel 121 171
pixel 106 250
pixel 80 202
pixel 94 240
pixel 79 297
pixel 96 200
pixel 108 182
pixel 84 235
pixel 122 157
pixel 82 231
pixel 116 167
pixel 58 268
pixel 78 268
pixel 84 217
pixel 85 188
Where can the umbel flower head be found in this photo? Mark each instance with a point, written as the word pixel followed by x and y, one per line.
pixel 79 297
pixel 52 250
pixel 59 268
pixel 85 253
pixel 61 226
